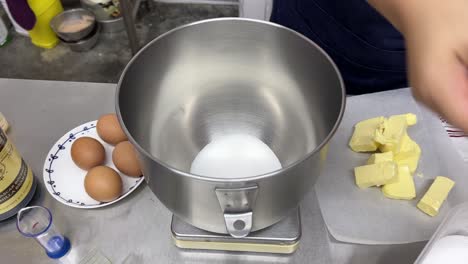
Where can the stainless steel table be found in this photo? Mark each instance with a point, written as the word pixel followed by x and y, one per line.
pixel 135 230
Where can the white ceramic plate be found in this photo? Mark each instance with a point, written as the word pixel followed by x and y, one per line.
pixel 65 181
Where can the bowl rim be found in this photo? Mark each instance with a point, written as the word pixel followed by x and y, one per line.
pixel 94 32
pixel 283 170
pixel 55 18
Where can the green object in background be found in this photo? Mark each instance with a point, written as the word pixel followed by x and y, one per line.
pixel 5 35
pixel 7 40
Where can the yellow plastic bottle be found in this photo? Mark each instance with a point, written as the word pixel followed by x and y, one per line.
pixel 42 34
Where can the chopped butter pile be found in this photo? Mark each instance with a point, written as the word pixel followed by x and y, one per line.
pixel 409 154
pixel 380 157
pixel 364 134
pixel 3 123
pixel 375 174
pixel 394 166
pixel 390 133
pixel 403 188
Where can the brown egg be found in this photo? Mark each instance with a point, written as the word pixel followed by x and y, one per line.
pixel 103 184
pixel 125 159
pixel 87 152
pixel 108 128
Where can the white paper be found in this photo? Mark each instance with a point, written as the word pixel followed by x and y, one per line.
pixel 459 139
pixel 366 216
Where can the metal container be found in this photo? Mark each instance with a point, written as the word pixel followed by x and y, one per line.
pixel 112 25
pixel 98 8
pixel 109 23
pixel 229 76
pixel 87 43
pixel 71 16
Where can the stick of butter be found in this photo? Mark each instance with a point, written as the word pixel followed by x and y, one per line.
pixel 3 123
pixel 375 174
pixel 403 188
pixel 436 195
pixel 364 133
pixel 409 154
pixel 380 157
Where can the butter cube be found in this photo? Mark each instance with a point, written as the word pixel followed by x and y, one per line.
pixel 390 135
pixel 436 195
pixel 411 119
pixel 403 188
pixel 3 123
pixel 375 174
pixel 364 133
pixel 409 154
pixel 380 157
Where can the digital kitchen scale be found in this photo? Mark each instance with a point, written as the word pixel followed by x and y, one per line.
pixel 280 238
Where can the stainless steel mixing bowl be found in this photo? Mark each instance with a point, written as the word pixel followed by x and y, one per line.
pixel 229 76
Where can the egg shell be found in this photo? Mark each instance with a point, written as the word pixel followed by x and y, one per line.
pixel 125 159
pixel 109 129
pixel 103 184
pixel 87 153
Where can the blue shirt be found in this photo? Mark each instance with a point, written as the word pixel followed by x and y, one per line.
pixel 367 49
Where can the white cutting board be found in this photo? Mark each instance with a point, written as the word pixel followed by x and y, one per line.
pixel 366 216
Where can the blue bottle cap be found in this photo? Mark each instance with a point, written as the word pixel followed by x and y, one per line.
pixel 58 247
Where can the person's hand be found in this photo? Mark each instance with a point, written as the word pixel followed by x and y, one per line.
pixel 436 35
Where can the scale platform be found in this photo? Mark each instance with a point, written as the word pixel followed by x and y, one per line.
pixel 280 238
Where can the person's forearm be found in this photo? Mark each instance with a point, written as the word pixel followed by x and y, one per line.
pixel 436 43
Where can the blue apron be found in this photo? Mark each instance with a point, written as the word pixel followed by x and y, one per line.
pixel 367 49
